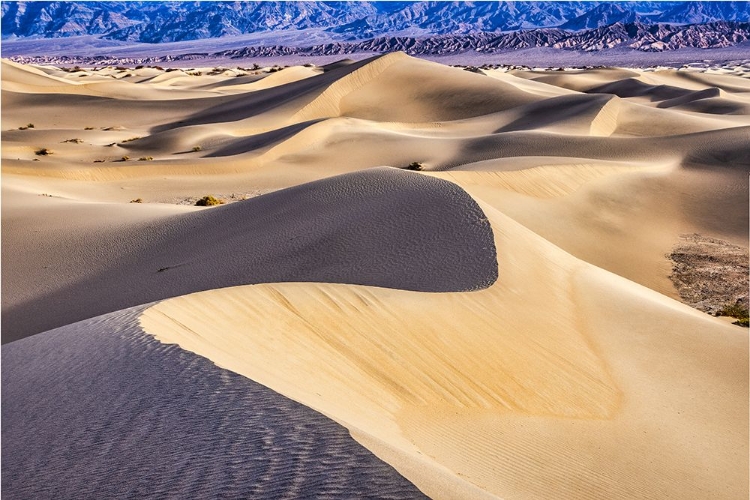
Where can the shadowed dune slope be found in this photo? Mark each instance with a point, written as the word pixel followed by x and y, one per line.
pixel 573 114
pixel 382 227
pixel 560 380
pixel 416 91
pixel 713 148
pixel 100 410
pixel 49 110
pixel 250 104
pixel 632 87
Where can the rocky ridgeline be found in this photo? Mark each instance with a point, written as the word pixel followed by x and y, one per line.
pixel 633 36
pixel 157 22
pixel 636 36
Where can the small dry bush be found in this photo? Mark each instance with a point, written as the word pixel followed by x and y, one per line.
pixel 208 201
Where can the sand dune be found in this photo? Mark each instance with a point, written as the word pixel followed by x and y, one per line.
pixel 174 425
pixel 460 380
pixel 500 324
pixel 335 230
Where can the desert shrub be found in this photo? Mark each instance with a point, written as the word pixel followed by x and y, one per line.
pixel 125 158
pixel 74 141
pixel 145 158
pixel 30 125
pixel 131 139
pixel 137 200
pixel 196 149
pixel 43 152
pixel 88 128
pixel 415 165
pixel 208 201
pixel 737 311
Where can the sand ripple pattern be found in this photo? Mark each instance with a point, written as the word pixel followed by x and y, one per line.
pixel 380 227
pixel 101 410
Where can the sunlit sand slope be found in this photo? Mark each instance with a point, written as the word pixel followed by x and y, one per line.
pixel 500 324
pixel 382 227
pixel 99 410
pixel 560 380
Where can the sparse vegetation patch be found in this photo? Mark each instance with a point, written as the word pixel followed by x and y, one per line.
pixel 208 201
pixel 43 152
pixel 712 275
pixel 737 311
pixel 415 166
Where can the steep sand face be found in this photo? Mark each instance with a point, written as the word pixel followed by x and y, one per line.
pixel 550 194
pixel 537 386
pixel 431 236
pixel 99 409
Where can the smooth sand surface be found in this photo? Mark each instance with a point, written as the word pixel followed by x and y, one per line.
pixel 500 324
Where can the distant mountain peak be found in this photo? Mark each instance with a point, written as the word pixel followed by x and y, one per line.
pixel 155 22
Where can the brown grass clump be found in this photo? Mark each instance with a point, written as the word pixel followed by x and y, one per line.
pixel 737 311
pixel 43 152
pixel 208 201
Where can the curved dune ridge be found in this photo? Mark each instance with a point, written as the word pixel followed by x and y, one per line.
pixel 380 227
pixel 500 323
pixel 101 410
pixel 456 377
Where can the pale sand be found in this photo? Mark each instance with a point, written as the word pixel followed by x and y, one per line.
pixel 99 409
pixel 563 379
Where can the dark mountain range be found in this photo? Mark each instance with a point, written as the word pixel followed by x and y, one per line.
pixel 632 36
pixel 155 22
